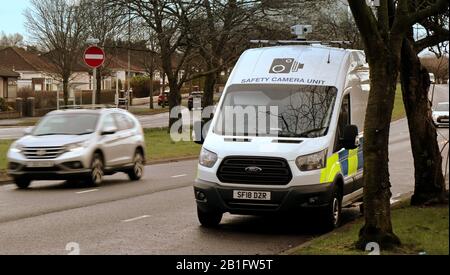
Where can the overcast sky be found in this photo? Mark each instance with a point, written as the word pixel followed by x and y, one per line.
pixel 11 16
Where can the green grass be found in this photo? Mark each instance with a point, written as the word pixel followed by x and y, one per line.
pixel 419 229
pixel 160 146
pixel 399 108
pixel 4 146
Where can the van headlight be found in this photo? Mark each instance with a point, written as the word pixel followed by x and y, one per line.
pixel 312 162
pixel 208 158
pixel 75 147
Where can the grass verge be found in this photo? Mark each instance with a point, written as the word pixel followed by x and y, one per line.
pixel 421 230
pixel 399 109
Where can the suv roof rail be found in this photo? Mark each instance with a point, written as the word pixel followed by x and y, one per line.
pixel 87 107
pixel 341 44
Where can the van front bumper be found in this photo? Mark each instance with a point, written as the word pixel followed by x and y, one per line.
pixel 218 198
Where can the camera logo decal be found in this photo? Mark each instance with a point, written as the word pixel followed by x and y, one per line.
pixel 285 66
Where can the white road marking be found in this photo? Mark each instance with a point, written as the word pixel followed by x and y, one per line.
pixel 87 191
pixel 136 219
pixel 179 176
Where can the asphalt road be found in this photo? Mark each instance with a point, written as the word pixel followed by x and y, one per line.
pixel 157 215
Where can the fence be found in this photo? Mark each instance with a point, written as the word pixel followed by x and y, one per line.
pixel 10 115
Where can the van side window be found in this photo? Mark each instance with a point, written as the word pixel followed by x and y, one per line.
pixel 344 120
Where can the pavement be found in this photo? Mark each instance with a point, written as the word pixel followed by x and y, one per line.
pixel 158 214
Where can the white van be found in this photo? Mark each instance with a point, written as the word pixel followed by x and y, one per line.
pixel 304 148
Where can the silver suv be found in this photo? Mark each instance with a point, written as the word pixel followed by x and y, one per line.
pixel 79 145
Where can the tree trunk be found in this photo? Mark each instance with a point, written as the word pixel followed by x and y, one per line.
pixel 151 90
pixel 429 179
pixel 377 194
pixel 208 96
pixel 66 90
pixel 174 99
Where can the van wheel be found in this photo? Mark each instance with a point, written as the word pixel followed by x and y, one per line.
pixel 97 170
pixel 209 219
pixel 332 212
pixel 22 183
pixel 137 171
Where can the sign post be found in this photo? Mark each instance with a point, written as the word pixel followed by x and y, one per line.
pixel 94 57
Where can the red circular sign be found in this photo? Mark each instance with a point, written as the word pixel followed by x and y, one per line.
pixel 94 57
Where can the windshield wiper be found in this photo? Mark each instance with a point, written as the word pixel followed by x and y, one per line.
pixel 307 133
pixel 85 133
pixel 52 134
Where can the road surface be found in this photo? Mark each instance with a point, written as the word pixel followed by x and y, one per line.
pixel 156 215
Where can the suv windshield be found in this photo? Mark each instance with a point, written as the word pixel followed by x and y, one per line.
pixel 281 111
pixel 67 124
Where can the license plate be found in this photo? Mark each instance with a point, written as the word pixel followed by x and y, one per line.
pixel 40 164
pixel 252 195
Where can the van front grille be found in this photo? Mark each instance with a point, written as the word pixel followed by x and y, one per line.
pixel 255 171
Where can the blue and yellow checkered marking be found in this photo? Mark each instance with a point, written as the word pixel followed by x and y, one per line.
pixel 346 162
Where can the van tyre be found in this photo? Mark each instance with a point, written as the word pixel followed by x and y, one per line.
pixel 209 219
pixel 97 170
pixel 332 213
pixel 137 171
pixel 22 183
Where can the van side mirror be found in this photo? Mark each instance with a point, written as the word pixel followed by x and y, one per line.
pixel 109 131
pixel 350 134
pixel 201 129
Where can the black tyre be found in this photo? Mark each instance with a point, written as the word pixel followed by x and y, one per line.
pixel 22 183
pixel 97 170
pixel 332 213
pixel 209 219
pixel 137 172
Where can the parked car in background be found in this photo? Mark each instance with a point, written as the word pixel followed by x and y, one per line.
pixel 163 99
pixel 440 114
pixel 192 97
pixel 79 144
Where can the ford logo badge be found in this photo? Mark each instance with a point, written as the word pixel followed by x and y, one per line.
pixel 253 170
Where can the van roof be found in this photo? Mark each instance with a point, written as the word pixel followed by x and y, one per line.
pixel 293 64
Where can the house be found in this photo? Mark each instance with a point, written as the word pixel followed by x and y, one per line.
pixel 34 70
pixel 8 84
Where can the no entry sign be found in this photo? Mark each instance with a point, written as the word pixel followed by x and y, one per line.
pixel 94 57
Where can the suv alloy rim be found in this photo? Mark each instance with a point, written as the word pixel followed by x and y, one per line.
pixel 138 165
pixel 97 171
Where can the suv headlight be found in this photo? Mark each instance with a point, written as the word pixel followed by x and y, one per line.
pixel 312 162
pixel 16 148
pixel 208 158
pixel 75 147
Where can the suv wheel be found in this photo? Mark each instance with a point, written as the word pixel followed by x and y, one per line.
pixel 137 171
pixel 22 183
pixel 209 219
pixel 97 170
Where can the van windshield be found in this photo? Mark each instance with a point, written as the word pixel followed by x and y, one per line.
pixel 279 111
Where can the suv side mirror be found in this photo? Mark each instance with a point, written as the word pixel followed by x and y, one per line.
pixel 350 134
pixel 28 131
pixel 109 131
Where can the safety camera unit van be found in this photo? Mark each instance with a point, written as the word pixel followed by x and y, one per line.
pixel 286 135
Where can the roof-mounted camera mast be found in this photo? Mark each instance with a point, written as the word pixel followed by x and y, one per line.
pixel 301 31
